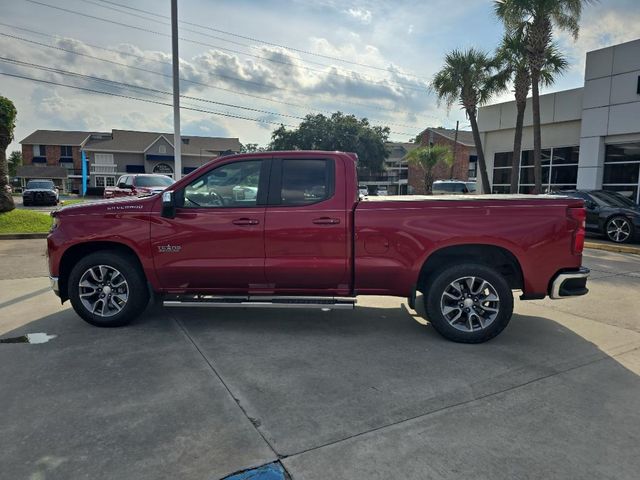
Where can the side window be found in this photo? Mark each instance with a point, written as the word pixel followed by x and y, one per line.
pixel 231 185
pixel 128 181
pixel 306 181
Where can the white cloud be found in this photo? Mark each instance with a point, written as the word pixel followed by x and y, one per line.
pixel 361 14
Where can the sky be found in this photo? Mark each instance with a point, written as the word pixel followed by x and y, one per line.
pixel 248 66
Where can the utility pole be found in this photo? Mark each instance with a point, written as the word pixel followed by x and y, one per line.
pixel 177 142
pixel 455 149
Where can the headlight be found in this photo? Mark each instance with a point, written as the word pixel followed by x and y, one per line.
pixel 55 224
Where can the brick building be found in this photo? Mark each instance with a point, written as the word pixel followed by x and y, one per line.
pixel 464 166
pixel 56 155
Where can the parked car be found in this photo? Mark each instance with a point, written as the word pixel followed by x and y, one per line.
pixel 452 187
pixel 138 185
pixel 306 240
pixel 40 192
pixel 610 213
pixel 382 191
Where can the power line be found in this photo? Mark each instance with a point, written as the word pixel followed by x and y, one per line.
pixel 188 80
pixel 254 39
pixel 148 90
pixel 130 97
pixel 197 42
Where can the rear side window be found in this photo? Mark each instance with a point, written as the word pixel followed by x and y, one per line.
pixel 306 181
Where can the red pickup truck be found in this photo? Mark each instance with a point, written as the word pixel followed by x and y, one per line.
pixel 287 229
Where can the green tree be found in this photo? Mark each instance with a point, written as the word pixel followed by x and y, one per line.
pixel 468 78
pixel 251 148
pixel 427 158
pixel 15 160
pixel 513 58
pixel 337 132
pixel 7 124
pixel 537 18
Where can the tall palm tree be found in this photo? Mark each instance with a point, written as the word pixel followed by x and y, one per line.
pixel 537 18
pixel 514 61
pixel 427 158
pixel 467 78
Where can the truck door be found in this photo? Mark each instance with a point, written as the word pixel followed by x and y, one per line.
pixel 306 226
pixel 216 240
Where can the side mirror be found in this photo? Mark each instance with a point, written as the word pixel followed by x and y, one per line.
pixel 122 185
pixel 169 204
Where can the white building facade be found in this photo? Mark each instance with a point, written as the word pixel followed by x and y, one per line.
pixel 590 135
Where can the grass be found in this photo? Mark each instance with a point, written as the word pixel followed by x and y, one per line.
pixel 73 201
pixel 24 221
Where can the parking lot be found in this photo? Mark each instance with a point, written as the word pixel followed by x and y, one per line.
pixel 371 393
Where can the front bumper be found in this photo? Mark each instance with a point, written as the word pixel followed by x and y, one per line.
pixel 54 285
pixel 569 284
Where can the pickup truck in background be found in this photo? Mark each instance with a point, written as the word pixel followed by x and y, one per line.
pixel 288 229
pixel 138 185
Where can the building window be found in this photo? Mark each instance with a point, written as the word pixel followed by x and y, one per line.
pixel 559 169
pixel 502 172
pixel 622 170
pixel 111 181
pixel 66 151
pixel 162 149
pixel 100 182
pixel 473 167
pixel 39 151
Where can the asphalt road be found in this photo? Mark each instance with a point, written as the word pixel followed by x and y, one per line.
pixel 371 393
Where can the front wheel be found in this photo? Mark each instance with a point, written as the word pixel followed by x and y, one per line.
pixel 469 303
pixel 108 289
pixel 619 230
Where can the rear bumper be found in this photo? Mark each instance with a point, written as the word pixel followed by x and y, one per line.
pixel 569 284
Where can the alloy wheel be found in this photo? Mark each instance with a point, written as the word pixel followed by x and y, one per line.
pixel 103 290
pixel 618 230
pixel 470 304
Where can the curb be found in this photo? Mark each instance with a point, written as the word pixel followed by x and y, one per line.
pixel 612 247
pixel 22 236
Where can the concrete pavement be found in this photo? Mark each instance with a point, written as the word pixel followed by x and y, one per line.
pixel 374 392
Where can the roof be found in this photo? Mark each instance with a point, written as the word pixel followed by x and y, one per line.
pixel 133 141
pixel 35 171
pixel 130 141
pixel 56 137
pixel 465 137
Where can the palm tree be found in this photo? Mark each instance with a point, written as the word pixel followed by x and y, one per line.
pixel 427 158
pixel 468 78
pixel 514 61
pixel 537 19
pixel 7 124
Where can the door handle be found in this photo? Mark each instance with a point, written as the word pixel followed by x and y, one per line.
pixel 246 221
pixel 326 221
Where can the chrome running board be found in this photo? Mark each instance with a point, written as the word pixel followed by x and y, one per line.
pixel 323 303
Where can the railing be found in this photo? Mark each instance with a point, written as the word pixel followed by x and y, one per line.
pixel 103 168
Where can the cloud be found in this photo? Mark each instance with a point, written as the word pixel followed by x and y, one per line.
pixel 361 14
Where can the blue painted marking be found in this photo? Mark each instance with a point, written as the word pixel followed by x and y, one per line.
pixel 272 471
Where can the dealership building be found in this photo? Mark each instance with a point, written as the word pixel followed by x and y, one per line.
pixel 590 135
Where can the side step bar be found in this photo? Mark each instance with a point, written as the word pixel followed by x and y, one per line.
pixel 323 303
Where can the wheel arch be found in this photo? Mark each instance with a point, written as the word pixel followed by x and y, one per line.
pixel 76 252
pixel 500 258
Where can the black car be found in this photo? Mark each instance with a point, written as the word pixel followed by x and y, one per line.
pixel 40 192
pixel 609 213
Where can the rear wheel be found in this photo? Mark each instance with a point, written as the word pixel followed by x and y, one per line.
pixel 469 303
pixel 619 230
pixel 108 289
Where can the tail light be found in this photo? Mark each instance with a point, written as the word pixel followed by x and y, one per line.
pixel 578 217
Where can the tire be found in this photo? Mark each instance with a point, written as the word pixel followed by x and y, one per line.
pixel 470 323
pixel 102 273
pixel 619 229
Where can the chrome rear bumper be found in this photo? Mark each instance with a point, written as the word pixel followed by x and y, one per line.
pixel 570 284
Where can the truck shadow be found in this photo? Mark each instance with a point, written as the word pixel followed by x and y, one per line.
pixel 304 378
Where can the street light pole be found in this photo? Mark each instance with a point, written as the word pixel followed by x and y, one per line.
pixel 177 142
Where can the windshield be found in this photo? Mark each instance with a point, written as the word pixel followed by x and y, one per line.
pixel 612 199
pixel 159 181
pixel 40 185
